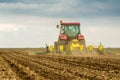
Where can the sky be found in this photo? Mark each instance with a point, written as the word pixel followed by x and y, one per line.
pixel 32 23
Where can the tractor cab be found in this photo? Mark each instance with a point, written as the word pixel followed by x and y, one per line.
pixel 69 31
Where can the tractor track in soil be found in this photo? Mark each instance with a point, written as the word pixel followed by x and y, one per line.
pixel 58 67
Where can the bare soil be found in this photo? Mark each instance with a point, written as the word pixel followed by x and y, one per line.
pixel 18 64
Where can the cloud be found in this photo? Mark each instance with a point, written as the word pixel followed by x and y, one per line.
pixel 29 1
pixel 60 8
pixel 10 27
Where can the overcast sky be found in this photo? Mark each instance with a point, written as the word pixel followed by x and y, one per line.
pixel 32 23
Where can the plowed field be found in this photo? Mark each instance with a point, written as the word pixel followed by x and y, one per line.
pixel 20 65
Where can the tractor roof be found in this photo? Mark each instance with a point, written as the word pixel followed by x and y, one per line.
pixel 70 23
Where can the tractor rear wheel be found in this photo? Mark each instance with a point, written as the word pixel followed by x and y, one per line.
pixel 56 47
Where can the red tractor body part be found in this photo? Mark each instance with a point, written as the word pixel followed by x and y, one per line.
pixel 81 37
pixel 63 37
pixel 71 23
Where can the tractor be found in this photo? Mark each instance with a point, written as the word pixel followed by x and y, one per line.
pixel 70 40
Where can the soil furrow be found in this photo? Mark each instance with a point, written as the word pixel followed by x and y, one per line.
pixel 44 71
pixel 18 68
pixel 24 65
pixel 69 68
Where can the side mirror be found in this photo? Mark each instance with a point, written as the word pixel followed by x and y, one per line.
pixel 57 26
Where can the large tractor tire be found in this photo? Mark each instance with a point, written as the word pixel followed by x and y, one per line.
pixel 67 49
pixel 56 47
